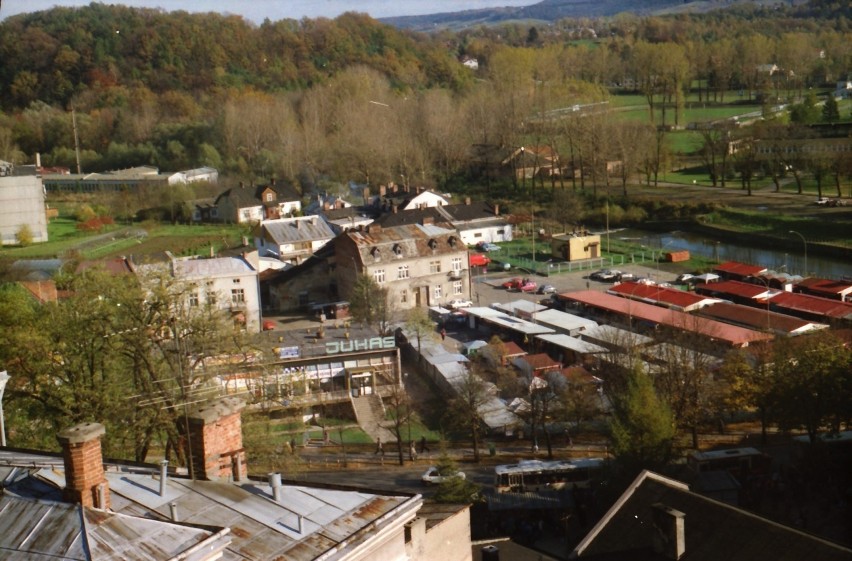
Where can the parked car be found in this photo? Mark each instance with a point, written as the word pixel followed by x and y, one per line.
pixel 433 476
pixel 547 289
pixel 459 303
pixel 512 284
pixel 487 246
pixel 269 324
pixel 685 277
pixel 625 276
pixel 527 286
pixel 605 275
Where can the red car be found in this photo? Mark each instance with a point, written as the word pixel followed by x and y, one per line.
pixel 513 284
pixel 269 324
pixel 528 286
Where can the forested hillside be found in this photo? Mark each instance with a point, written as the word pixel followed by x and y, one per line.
pixel 324 102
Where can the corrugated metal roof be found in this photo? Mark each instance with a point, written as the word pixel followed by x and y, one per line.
pixel 36 530
pixel 213 267
pixel 290 230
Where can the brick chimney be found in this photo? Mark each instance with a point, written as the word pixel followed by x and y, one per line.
pixel 496 210
pixel 85 482
pixel 216 440
pixel 669 532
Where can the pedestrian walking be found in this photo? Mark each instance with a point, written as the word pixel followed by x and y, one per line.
pixel 380 449
pixel 443 334
pixel 423 447
pixel 412 451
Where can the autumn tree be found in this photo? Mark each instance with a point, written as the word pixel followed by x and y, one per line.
pixel 471 393
pixel 368 303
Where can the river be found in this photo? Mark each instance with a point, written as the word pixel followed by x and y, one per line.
pixel 789 261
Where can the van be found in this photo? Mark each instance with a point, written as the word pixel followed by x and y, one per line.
pixel 479 260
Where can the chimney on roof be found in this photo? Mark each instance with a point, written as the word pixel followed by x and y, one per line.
pixel 298 224
pixel 496 210
pixel 313 220
pixel 216 440
pixel 272 181
pixel 669 532
pixel 85 482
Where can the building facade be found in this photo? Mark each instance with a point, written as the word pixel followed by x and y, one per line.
pixel 22 203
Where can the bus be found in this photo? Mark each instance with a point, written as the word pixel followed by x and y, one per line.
pixel 739 462
pixel 537 475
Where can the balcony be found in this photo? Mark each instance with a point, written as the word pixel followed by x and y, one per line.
pixel 456 275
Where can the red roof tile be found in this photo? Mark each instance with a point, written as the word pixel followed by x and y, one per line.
pixel 813 305
pixel 739 269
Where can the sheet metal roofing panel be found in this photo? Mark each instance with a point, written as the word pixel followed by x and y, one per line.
pixel 609 334
pixel 217 266
pixel 289 230
pixel 518 307
pixel 572 343
pixel 563 321
pixel 44 530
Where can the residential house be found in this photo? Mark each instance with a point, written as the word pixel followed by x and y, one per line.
pixel 658 518
pixel 825 288
pixel 292 240
pixel 227 283
pixel 215 511
pixel 421 265
pixel 244 205
pixel 340 214
pixel 22 203
pixel 844 89
pixel 475 221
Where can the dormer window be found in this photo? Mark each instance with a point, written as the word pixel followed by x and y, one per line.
pixel 433 244
pixel 376 253
pixel 397 250
pixel 452 241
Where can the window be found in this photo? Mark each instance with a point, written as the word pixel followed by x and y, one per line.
pixel 434 266
pixel 379 276
pixel 270 197
pixel 457 264
pixel 500 232
pixel 457 288
pixel 403 297
pixel 477 235
pixel 238 296
pixel 193 299
pixel 236 281
pixel 402 272
pixel 438 292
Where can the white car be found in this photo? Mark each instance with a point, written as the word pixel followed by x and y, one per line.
pixel 456 304
pixel 685 277
pixel 433 477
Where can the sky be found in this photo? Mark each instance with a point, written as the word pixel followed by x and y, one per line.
pixel 258 10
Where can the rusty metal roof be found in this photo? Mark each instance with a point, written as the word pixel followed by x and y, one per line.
pixel 40 530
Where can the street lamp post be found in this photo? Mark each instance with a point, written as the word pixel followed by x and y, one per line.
pixel 4 377
pixel 805 242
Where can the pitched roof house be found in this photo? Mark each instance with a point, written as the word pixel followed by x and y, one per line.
pixel 144 511
pixel 659 519
pixel 292 240
pixel 243 204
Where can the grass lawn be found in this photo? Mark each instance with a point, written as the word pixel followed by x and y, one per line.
pixel 118 240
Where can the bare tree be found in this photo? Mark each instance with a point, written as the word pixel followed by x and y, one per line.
pixel 463 410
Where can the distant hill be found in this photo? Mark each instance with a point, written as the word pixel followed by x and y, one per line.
pixel 554 10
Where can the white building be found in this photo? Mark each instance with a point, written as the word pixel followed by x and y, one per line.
pixel 292 240
pixel 22 203
pixel 227 283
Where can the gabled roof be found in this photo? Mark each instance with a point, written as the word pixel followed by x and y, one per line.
pixel 292 230
pixel 670 297
pixel 736 288
pixel 538 361
pixel 815 305
pixel 829 288
pixel 738 269
pixel 376 244
pixel 759 318
pixel 42 530
pixel 714 530
pixel 639 311
pixel 242 196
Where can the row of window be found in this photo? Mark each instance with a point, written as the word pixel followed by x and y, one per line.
pixel 238 296
pixel 437 292
pixel 403 272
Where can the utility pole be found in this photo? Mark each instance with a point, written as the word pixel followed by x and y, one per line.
pixel 76 140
